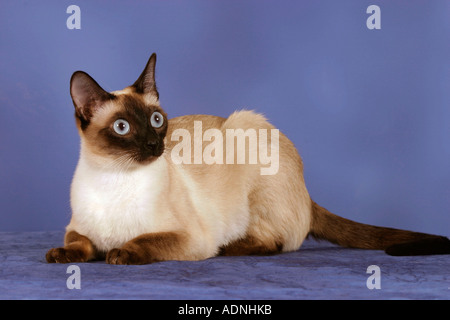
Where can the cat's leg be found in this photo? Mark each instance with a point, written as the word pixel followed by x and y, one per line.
pixel 251 246
pixel 77 248
pixel 152 247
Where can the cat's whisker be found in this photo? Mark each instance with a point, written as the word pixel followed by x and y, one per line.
pixel 118 163
pixel 113 163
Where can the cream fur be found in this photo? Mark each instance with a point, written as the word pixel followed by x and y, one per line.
pixel 111 206
pixel 213 204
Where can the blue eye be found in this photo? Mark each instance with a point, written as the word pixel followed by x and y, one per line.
pixel 121 127
pixel 156 120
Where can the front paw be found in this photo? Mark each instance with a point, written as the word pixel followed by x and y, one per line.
pixel 65 255
pixel 123 256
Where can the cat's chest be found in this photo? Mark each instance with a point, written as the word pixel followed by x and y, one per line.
pixel 114 207
pixel 121 195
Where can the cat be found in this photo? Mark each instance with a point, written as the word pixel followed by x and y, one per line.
pixel 132 204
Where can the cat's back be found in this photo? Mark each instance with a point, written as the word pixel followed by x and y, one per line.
pixel 187 122
pixel 238 119
pixel 197 124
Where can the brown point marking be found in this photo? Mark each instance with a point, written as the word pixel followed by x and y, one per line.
pixel 328 226
pixel 77 248
pixel 143 143
pixel 149 248
pixel 251 246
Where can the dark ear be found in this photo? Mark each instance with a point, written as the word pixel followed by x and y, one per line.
pixel 146 81
pixel 87 95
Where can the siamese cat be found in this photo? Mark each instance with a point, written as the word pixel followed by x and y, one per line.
pixel 133 204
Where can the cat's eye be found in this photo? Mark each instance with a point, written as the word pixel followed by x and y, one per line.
pixel 156 120
pixel 121 127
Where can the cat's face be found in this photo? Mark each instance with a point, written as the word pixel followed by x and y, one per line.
pixel 126 126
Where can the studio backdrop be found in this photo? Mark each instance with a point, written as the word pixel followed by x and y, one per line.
pixel 361 87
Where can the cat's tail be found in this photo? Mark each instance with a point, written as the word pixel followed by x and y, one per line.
pixel 328 226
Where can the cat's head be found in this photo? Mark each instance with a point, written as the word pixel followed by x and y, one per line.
pixel 126 126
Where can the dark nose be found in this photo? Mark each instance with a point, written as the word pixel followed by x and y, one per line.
pixel 152 144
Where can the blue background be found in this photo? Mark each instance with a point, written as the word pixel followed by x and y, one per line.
pixel 368 110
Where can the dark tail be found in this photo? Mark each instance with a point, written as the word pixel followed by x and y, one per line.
pixel 395 242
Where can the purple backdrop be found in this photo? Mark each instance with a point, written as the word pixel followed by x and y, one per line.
pixel 369 110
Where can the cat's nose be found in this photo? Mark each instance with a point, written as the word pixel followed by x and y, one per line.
pixel 151 144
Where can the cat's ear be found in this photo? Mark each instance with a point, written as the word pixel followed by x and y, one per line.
pixel 87 95
pixel 146 84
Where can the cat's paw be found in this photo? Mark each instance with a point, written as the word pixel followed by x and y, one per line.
pixel 65 255
pixel 123 256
